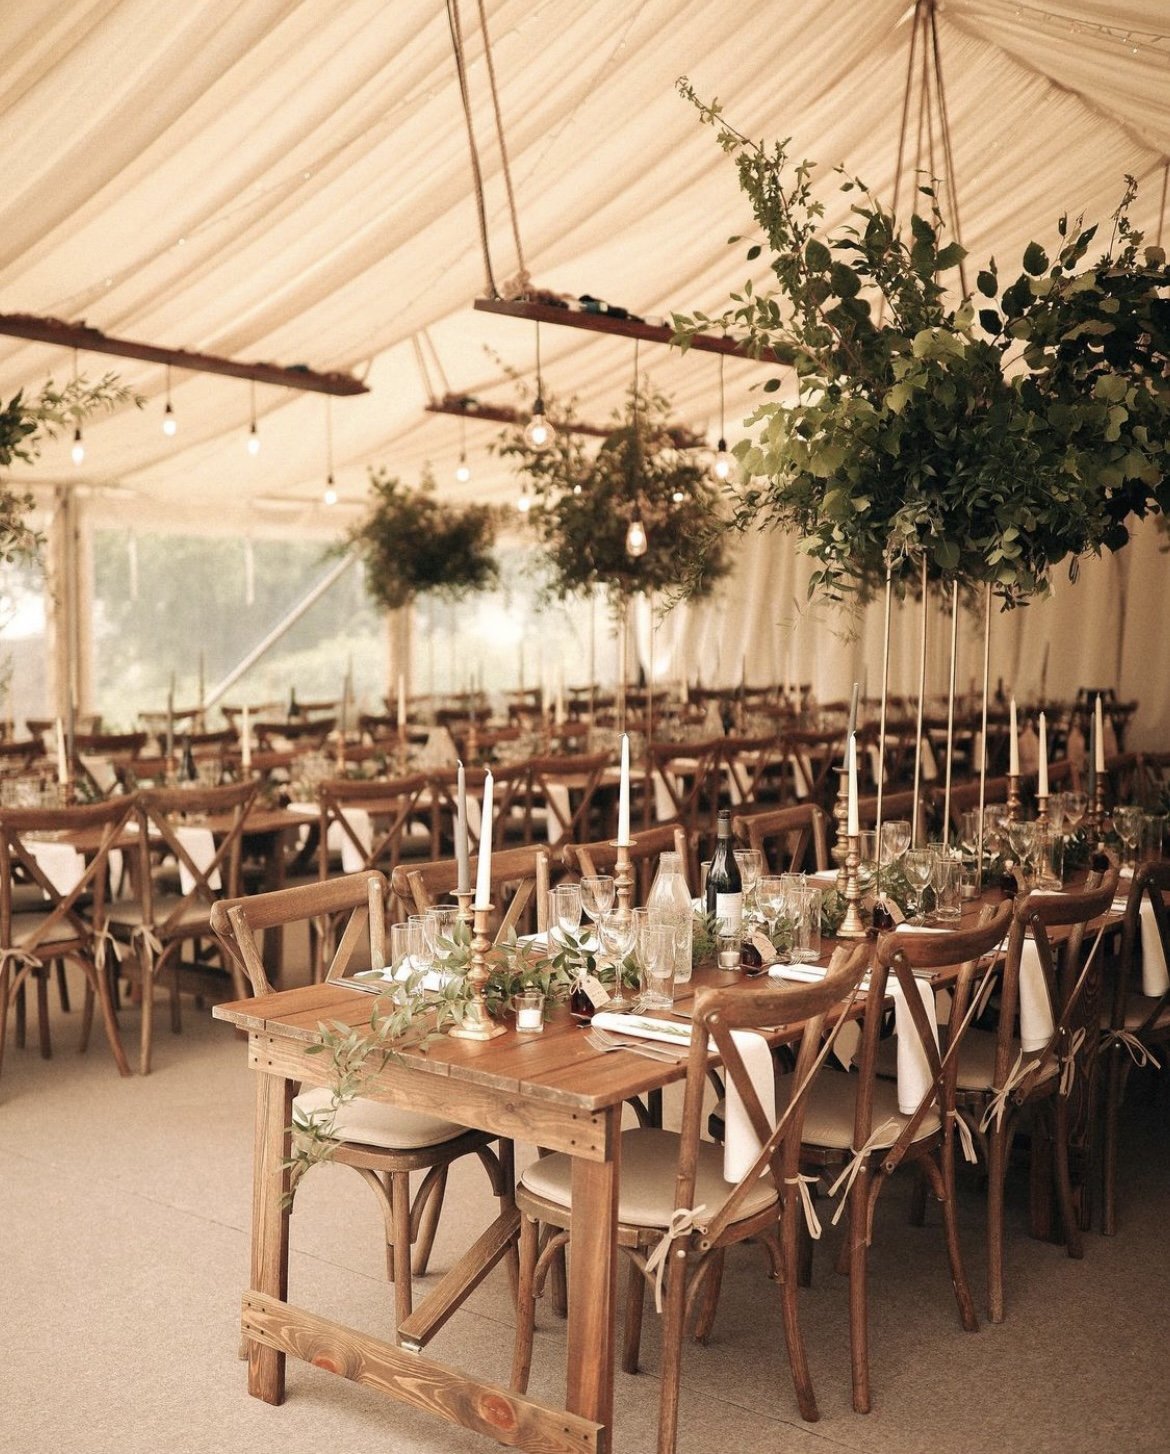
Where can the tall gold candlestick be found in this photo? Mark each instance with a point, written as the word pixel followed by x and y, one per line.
pixel 1042 809
pixel 851 925
pixel 464 914
pixel 623 876
pixel 477 1023
pixel 1013 796
pixel 841 819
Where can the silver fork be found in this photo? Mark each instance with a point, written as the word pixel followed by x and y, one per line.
pixel 603 1041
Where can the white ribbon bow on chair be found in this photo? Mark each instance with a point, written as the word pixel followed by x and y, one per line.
pixel 682 1221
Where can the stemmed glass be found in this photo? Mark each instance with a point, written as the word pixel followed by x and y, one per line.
pixel 772 897
pixel 1075 807
pixel 1021 836
pixel 866 860
pixel 654 948
pixel 438 927
pixel 564 911
pixel 918 866
pixel 597 895
pixel 421 954
pixel 751 866
pixel 1128 824
pixel 615 932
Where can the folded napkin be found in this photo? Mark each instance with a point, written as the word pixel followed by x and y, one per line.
pixel 663 802
pixel 439 750
pixel 199 843
pixel 914 1073
pixel 801 773
pixel 1155 976
pixel 644 1027
pixel 353 859
pixel 101 769
pixel 1036 1022
pixel 741 1145
pixel 61 863
pixel 433 979
pixel 558 812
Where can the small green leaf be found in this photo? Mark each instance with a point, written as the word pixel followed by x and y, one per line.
pixel 1035 259
pixel 771 385
pixel 753 252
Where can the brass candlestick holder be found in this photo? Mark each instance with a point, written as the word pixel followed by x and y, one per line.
pixel 623 876
pixel 1042 809
pixel 1099 811
pixel 851 925
pixel 477 1023
pixel 472 747
pixel 464 914
pixel 841 819
pixel 1013 797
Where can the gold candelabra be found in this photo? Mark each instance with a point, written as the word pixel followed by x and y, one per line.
pixel 841 819
pixel 464 913
pixel 477 1024
pixel 1013 797
pixel 623 876
pixel 851 925
pixel 1042 809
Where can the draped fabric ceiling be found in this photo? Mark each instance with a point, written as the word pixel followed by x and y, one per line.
pixel 289 181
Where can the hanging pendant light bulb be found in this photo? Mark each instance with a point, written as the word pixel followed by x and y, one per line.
pixel 538 432
pixel 462 469
pixel 636 542
pixel 170 424
pixel 524 503
pixel 253 435
pixel 678 497
pixel 330 494
pixel 723 463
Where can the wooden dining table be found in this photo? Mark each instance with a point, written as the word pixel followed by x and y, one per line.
pixel 553 1090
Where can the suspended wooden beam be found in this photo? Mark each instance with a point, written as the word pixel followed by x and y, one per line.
pixel 463 406
pixel 623 328
pixel 92 340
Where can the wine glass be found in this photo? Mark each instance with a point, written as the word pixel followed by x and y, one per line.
pixel 1075 807
pixel 751 866
pixel 944 878
pixel 439 926
pixel 1127 823
pixel 421 955
pixel 771 895
pixel 615 932
pixel 1021 836
pixel 597 895
pixel 654 949
pixel 895 841
pixel 564 911
pixel 918 866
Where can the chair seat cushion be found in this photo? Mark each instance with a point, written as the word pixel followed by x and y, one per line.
pixel 830 1109
pixel 373 1123
pixel 977 1060
pixel 649 1167
pixel 26 928
pixel 1138 1009
pixel 127 913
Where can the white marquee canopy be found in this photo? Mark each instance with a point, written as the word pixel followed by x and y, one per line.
pixel 288 180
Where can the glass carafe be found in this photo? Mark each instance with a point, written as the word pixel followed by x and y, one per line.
pixel 669 891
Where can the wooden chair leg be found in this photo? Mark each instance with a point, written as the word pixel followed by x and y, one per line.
pixel 43 1033
pixel 943 1179
pixel 99 985
pixel 5 993
pixel 525 1306
pixel 1114 1089
pixel 558 1277
pixel 21 1025
pixel 86 1018
pixel 63 987
pixel 859 1291
pixel 635 1302
pixel 784 1255
pixel 996 1169
pixel 400 1200
pixel 147 1040
pixel 673 1331
pixel 429 1223
pixel 1064 1192
pixel 709 1302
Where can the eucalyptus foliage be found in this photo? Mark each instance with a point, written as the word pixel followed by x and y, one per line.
pixel 413 544
pixel 991 439
pixel 584 504
pixel 25 425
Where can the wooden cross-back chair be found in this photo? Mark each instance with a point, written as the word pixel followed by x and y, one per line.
pixel 1154 780
pixel 965 796
pixel 1121 778
pixel 587 860
pixel 67 922
pixel 897 806
pixel 384 1144
pixel 157 922
pixel 756 766
pixel 792 840
pixel 817 753
pixel 998 1081
pixel 104 758
pixel 855 1127
pixel 565 787
pixel 520 882
pixel 443 783
pixel 389 808
pixel 674 1205
pixel 1138 1024
pixel 688 771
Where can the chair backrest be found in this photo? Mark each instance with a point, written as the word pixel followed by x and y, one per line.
pixel 1074 997
pixel 518 874
pixel 163 815
pixel 687 771
pixel 237 922
pixel 753 767
pixel 899 806
pixel 587 860
pixel 785 835
pixel 1153 780
pixel 1151 881
pixel 74 912
pixel 562 782
pixel 353 805
pixel 718 1012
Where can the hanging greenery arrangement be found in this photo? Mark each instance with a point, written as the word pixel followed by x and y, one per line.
pixel 412 544
pixel 992 439
pixel 583 505
pixel 25 425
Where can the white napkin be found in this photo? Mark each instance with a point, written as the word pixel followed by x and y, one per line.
pixel 558 812
pixel 61 863
pixel 433 979
pixel 914 1073
pixel 741 1145
pixel 801 773
pixel 929 762
pixel 1036 1023
pixel 663 802
pixel 101 769
pixel 1155 976
pixel 644 1027
pixel 338 840
pixel 439 750
pixel 200 845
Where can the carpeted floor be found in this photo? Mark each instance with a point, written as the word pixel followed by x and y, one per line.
pixel 124 1212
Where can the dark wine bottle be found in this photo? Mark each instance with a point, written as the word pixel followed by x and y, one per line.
pixel 724 881
pixel 188 772
pixel 294 710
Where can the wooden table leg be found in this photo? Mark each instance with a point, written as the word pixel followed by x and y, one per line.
pixel 593 1282
pixel 270 1179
